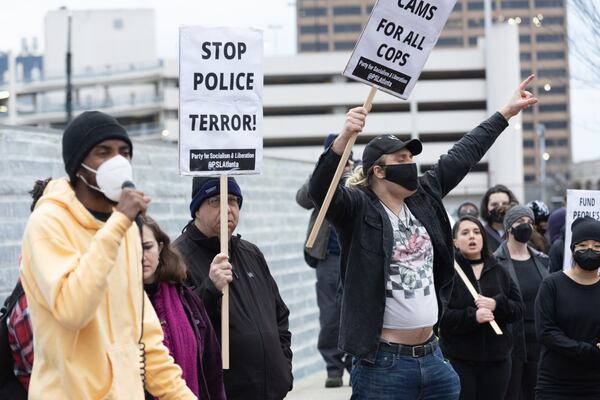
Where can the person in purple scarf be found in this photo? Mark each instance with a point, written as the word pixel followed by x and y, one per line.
pixel 188 332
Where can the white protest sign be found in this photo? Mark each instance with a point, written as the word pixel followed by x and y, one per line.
pixel 220 101
pixel 394 46
pixel 580 203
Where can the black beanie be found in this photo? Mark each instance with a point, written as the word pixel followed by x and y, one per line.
pixel 85 132
pixel 584 228
pixel 205 187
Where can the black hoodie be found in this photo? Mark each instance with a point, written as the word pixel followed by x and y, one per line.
pixel 259 338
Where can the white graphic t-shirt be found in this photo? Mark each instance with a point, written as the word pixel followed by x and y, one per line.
pixel 410 293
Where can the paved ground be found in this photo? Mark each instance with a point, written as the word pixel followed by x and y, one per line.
pixel 313 388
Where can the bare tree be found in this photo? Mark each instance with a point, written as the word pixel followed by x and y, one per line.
pixel 584 41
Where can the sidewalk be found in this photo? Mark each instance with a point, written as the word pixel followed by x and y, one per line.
pixel 313 388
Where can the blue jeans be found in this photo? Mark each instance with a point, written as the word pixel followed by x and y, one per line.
pixel 399 377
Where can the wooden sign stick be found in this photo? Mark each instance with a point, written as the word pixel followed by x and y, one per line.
pixel 336 178
pixel 474 293
pixel 224 204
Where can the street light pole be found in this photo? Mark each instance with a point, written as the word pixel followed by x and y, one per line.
pixel 541 133
pixel 69 88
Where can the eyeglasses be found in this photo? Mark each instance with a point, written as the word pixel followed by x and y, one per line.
pixel 232 201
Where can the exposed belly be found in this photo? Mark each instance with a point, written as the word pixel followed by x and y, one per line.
pixel 407 336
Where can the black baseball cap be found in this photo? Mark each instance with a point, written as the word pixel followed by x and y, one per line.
pixel 387 144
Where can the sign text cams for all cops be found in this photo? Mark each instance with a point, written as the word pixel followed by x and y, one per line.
pixel 394 46
pixel 580 203
pixel 220 101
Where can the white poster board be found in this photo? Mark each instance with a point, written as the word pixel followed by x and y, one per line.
pixel 580 203
pixel 220 101
pixel 396 42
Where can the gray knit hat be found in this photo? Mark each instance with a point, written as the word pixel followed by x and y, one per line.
pixel 515 213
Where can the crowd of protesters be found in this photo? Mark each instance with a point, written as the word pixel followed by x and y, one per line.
pixel 108 307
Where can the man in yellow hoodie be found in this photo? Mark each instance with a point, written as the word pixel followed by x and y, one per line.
pixel 96 335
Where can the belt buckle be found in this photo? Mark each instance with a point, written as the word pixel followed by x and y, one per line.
pixel 414 354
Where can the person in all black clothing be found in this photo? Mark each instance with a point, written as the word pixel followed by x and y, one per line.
pixel 260 340
pixel 480 357
pixel 494 204
pixel 567 322
pixel 527 267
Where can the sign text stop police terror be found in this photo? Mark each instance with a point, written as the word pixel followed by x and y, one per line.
pixel 220 100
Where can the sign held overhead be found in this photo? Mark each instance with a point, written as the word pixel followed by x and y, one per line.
pixel 396 42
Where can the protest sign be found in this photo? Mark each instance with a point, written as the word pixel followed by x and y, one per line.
pixel 580 203
pixel 220 101
pixel 396 42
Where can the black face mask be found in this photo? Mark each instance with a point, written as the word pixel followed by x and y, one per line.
pixel 522 233
pixel 496 215
pixel 404 175
pixel 587 259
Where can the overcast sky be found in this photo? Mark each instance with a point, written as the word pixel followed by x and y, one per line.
pixel 25 18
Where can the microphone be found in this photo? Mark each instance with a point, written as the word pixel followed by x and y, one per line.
pixel 138 218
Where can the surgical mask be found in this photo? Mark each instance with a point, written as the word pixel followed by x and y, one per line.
pixel 404 175
pixel 522 233
pixel 110 177
pixel 587 259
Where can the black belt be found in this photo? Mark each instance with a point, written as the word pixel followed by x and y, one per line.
pixel 416 351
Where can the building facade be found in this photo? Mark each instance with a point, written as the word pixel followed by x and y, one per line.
pixel 334 25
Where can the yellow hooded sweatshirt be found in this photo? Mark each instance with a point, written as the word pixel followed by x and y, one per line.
pixel 83 282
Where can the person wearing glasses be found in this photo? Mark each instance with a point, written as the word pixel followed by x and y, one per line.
pixel 259 336
pixel 567 321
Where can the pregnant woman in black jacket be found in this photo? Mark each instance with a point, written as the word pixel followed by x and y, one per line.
pixel 480 357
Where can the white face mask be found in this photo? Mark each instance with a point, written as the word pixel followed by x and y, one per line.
pixel 110 177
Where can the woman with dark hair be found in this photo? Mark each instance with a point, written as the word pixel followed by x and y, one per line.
pixel 480 357
pixel 188 333
pixel 494 204
pixel 567 321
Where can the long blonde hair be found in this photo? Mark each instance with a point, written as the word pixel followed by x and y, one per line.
pixel 358 177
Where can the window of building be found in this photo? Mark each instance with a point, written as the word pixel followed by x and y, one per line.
pixel 527 126
pixel 475 5
pixel 553 90
pixel 473 40
pixel 515 4
pixel 346 10
pixel 313 12
pixel 118 24
pixel 454 23
pixel 450 41
pixel 524 39
pixel 525 73
pixel 529 178
pixel 549 3
pixel 345 45
pixel 556 107
pixel 555 124
pixel 308 29
pixel 551 55
pixel 458 6
pixel 338 28
pixel 370 9
pixel 553 20
pixel 529 161
pixel 550 38
pixel 314 46
pixel 476 23
pixel 525 56
pixel 552 73
pixel 528 143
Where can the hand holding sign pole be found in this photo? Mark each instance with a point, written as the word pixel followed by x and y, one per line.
pixel 389 56
pixel 474 293
pixel 336 178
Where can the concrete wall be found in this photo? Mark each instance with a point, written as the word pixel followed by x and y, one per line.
pixel 269 218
